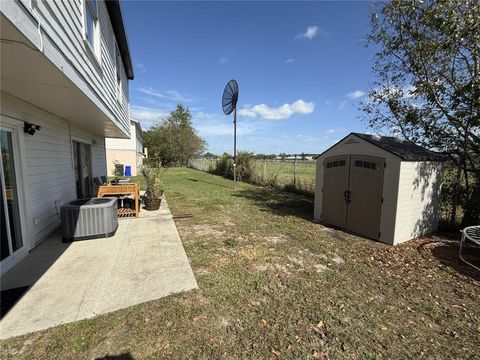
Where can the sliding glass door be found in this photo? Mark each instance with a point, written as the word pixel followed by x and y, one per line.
pixel 82 167
pixel 10 221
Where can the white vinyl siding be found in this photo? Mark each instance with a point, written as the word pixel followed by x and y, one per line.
pixel 62 41
pixel 49 170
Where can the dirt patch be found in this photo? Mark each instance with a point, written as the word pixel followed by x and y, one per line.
pixel 204 230
pixel 296 260
pixel 275 239
pixel 337 259
pixel 320 268
pixel 261 267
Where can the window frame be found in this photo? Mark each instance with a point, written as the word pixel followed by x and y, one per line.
pixel 91 6
pixel 118 72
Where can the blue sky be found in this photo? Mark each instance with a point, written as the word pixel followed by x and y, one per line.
pixel 302 69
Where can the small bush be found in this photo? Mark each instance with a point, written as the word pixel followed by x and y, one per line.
pixel 246 167
pixel 231 242
pixel 224 166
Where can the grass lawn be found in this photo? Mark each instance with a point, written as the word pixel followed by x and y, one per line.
pixel 275 285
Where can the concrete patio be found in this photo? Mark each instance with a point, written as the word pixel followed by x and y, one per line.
pixel 144 261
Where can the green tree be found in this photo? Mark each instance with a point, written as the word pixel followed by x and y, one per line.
pixel 283 156
pixel 428 88
pixel 174 140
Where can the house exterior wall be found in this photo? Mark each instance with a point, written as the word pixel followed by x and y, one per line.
pixel 418 206
pixel 61 40
pixel 125 157
pixel 126 151
pixel 48 175
pixel 354 145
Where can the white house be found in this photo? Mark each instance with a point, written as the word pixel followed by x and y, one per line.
pixel 379 187
pixel 126 152
pixel 65 67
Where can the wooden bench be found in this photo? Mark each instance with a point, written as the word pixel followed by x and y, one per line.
pixel 123 189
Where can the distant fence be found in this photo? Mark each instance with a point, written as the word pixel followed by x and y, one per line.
pixel 287 172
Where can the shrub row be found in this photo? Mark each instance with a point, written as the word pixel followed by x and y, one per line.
pixel 246 172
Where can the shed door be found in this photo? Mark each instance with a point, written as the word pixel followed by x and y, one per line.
pixel 352 193
pixel 366 186
pixel 335 183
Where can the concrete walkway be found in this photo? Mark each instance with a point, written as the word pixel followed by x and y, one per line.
pixel 145 260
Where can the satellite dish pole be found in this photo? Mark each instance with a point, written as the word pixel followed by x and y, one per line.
pixel 229 104
pixel 235 147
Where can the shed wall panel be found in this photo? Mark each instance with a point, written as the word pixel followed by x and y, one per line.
pixel 418 206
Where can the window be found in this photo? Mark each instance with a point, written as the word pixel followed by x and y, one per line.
pixel 366 164
pixel 335 163
pixel 91 34
pixel 118 64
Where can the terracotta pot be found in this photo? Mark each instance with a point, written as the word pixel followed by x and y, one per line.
pixel 152 204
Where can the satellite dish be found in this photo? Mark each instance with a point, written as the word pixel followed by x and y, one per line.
pixel 229 104
pixel 230 97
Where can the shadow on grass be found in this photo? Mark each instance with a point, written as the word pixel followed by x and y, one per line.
pixel 283 204
pixel 446 251
pixel 124 356
pixel 210 183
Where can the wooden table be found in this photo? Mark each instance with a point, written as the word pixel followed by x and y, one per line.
pixel 123 189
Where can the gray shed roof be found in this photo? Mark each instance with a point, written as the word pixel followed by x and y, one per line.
pixel 406 150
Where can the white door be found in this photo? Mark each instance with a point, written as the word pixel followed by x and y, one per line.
pixel 82 164
pixel 11 237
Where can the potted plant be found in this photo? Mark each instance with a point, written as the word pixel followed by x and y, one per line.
pixel 154 192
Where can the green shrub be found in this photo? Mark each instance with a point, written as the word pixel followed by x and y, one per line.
pixel 231 242
pixel 224 166
pixel 246 167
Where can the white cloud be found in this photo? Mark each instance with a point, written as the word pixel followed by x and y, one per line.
pixel 355 94
pixel 289 61
pixel 173 95
pixel 146 115
pixel 311 32
pixel 220 125
pixel 335 130
pixel 342 104
pixel 279 113
pixel 141 68
pixel 307 138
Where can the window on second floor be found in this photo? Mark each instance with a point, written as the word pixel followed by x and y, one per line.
pixel 118 68
pixel 92 30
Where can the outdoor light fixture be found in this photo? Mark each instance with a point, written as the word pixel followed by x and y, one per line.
pixel 30 128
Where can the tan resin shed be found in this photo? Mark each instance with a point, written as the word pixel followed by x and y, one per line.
pixel 380 187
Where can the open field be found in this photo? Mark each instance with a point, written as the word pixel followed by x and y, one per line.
pixel 284 170
pixel 275 285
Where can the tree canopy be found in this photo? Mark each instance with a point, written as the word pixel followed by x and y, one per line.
pixel 428 88
pixel 174 140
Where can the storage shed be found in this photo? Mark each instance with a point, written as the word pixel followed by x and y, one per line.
pixel 380 187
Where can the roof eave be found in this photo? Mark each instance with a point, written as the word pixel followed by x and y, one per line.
pixel 116 18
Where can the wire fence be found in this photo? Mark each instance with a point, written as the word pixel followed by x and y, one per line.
pixel 287 172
